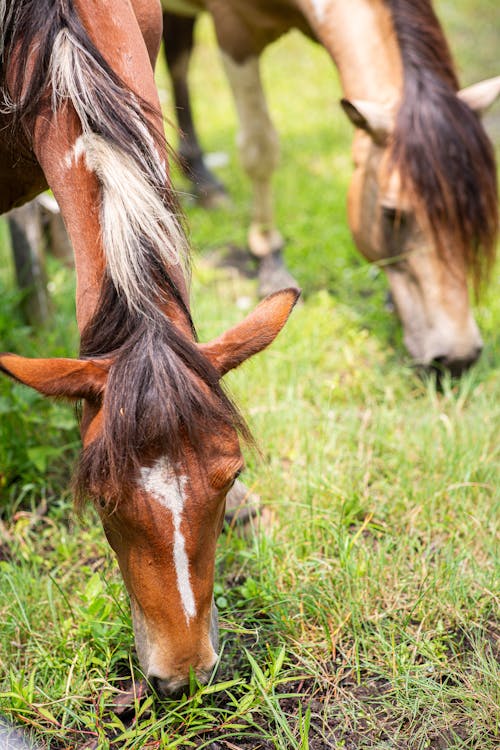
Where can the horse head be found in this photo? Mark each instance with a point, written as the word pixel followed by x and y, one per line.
pixel 427 233
pixel 162 512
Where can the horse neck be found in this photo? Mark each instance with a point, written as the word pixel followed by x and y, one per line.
pixel 86 171
pixel 361 39
pixel 79 194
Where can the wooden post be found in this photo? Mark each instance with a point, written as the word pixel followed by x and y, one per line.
pixel 58 242
pixel 26 236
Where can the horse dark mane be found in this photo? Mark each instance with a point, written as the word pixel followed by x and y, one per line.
pixel 162 393
pixel 440 147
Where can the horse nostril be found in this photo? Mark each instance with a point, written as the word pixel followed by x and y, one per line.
pixel 455 367
pixel 439 364
pixel 154 682
pixel 167 689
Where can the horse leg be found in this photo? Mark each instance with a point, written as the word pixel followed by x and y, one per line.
pixel 178 43
pixel 25 225
pixel 259 151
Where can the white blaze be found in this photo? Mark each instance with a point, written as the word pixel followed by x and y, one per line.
pixel 166 488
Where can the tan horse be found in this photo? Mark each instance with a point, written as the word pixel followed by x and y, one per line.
pixel 160 446
pixel 422 200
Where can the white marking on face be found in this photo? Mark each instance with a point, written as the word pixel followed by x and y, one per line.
pixel 166 488
pixel 76 152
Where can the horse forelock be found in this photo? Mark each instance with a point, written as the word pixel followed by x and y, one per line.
pixel 162 397
pixel 440 147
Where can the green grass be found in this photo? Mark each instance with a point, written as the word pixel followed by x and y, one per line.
pixel 367 614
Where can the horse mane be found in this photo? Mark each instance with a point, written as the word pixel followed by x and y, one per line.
pixel 161 391
pixel 117 138
pixel 445 158
pixel 162 394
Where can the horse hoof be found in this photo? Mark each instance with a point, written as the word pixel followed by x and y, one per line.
pixel 274 275
pixel 264 242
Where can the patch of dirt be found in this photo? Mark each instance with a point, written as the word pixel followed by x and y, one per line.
pixel 345 712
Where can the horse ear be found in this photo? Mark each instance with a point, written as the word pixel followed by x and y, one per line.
pixel 253 334
pixel 480 96
pixel 62 378
pixel 375 118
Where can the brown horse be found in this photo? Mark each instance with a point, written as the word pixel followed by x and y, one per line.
pixel 423 197
pixel 160 447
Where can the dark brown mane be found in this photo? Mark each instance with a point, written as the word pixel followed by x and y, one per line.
pixel 162 393
pixel 440 147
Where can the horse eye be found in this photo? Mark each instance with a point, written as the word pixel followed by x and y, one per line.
pixel 389 213
pixel 393 215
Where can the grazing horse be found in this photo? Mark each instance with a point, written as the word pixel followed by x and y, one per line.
pixel 80 113
pixel 423 197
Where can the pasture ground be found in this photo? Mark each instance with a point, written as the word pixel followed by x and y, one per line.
pixel 367 616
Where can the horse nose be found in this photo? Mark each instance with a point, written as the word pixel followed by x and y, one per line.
pixel 170 677
pixel 175 687
pixel 168 688
pixel 456 366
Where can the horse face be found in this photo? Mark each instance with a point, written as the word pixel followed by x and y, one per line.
pixel 428 283
pixel 164 521
pixel 164 537
pixel 431 299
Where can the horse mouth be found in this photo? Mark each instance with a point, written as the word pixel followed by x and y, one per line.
pixel 176 688
pixel 442 367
